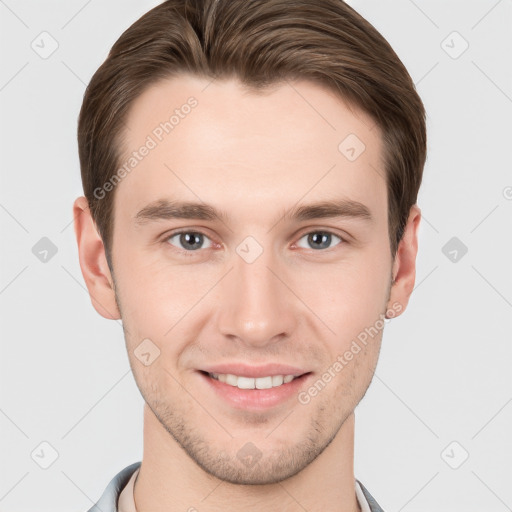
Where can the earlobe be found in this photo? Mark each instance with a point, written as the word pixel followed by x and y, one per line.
pixel 93 261
pixel 404 265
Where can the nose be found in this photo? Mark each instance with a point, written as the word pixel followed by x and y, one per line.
pixel 257 307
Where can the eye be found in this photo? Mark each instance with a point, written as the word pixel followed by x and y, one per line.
pixel 189 240
pixel 320 239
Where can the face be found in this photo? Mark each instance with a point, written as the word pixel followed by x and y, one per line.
pixel 279 270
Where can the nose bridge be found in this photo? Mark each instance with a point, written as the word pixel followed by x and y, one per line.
pixel 255 304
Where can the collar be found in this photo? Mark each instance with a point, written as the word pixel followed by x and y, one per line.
pixel 118 496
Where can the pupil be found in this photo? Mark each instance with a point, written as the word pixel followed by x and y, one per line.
pixel 190 238
pixel 320 237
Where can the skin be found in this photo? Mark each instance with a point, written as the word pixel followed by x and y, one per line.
pixel 295 304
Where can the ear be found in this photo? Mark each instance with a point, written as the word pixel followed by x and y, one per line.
pixel 404 265
pixel 93 262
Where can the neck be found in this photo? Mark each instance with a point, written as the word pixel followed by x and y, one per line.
pixel 169 480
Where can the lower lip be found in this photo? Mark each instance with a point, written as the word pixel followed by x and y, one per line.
pixel 257 399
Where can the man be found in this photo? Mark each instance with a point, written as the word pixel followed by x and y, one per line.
pixel 250 172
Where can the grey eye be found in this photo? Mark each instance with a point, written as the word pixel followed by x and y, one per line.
pixel 319 239
pixel 190 240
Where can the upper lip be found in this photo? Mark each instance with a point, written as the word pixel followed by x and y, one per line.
pixel 244 370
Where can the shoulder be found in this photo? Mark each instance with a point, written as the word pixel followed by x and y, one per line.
pixel 108 500
pixel 374 506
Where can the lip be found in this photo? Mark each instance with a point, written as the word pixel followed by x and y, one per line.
pixel 244 370
pixel 256 399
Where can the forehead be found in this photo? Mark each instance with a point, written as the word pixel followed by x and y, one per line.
pixel 218 142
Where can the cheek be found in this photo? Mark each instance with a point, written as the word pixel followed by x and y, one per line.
pixel 160 301
pixel 348 296
pixel 153 289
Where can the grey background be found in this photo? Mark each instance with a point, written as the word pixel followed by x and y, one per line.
pixel 444 373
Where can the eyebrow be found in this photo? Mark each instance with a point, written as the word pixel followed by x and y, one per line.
pixel 165 209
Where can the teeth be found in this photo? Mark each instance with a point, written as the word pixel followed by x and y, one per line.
pixel 252 382
pixel 277 380
pixel 232 380
pixel 263 382
pixel 245 382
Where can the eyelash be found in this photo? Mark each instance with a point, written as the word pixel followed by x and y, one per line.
pixel 194 253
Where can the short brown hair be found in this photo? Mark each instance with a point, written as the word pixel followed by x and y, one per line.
pixel 261 42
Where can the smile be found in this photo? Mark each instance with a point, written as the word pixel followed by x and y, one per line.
pixel 273 381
